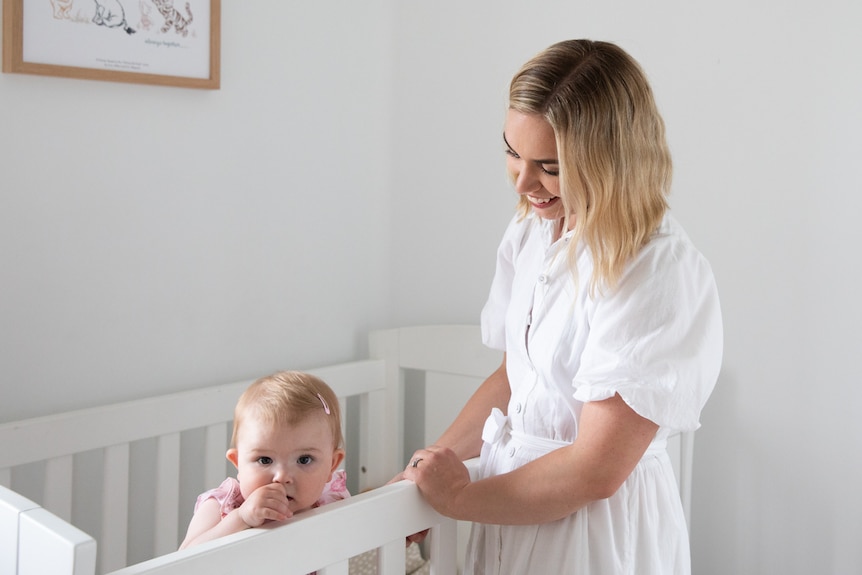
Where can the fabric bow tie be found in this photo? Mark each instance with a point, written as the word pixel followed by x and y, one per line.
pixel 495 426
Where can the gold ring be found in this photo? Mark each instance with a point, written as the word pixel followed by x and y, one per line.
pixel 415 462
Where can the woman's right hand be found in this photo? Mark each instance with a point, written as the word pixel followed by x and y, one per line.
pixel 441 477
pixel 416 537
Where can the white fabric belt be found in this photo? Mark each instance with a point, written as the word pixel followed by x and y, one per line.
pixel 657 447
pixel 497 425
pixel 533 442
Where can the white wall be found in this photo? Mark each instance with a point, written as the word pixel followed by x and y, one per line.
pixel 153 238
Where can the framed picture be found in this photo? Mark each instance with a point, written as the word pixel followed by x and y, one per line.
pixel 164 42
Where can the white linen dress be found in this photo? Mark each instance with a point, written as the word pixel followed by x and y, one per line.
pixel 656 340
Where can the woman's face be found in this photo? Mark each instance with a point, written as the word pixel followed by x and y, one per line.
pixel 532 162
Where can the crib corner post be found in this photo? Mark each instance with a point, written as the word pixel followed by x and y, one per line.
pixel 47 544
pixel 384 344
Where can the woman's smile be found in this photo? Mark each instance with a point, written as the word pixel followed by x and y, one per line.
pixel 542 202
pixel 531 159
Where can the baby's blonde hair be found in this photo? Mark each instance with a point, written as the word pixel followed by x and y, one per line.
pixel 288 397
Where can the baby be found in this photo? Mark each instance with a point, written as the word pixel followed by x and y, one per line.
pixel 286 447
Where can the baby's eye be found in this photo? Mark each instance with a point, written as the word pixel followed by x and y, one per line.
pixel 264 460
pixel 305 459
pixel 509 152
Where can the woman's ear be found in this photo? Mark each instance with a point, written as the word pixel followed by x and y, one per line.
pixel 233 456
pixel 337 458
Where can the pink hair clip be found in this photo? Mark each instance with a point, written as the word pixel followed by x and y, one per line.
pixel 323 401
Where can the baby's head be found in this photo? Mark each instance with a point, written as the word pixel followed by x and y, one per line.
pixel 288 397
pixel 287 429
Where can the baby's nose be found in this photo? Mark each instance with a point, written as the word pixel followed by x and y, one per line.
pixel 282 476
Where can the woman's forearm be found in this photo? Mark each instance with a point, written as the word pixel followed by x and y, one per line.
pixel 538 492
pixel 611 441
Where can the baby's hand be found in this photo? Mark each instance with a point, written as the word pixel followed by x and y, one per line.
pixel 266 503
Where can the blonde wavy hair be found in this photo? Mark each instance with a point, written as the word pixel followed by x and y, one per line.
pixel 615 164
pixel 287 398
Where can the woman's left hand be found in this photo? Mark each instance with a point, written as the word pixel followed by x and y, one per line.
pixel 441 477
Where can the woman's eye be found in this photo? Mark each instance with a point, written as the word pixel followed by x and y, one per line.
pixel 551 170
pixel 305 459
pixel 512 154
pixel 264 460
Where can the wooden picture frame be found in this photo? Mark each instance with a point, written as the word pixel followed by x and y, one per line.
pixel 162 42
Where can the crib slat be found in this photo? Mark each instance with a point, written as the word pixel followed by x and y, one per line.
pixel 391 558
pixel 442 544
pixel 686 460
pixel 167 494
pixel 373 462
pixel 58 487
pixel 383 344
pixel 214 454
pixel 115 508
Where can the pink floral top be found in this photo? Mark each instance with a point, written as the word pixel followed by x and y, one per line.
pixel 229 497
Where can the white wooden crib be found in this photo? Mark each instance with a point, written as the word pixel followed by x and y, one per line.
pixel 129 473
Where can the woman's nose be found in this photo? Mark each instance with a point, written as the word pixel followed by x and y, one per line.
pixel 526 180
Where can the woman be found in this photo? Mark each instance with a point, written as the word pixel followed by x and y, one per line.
pixel 611 327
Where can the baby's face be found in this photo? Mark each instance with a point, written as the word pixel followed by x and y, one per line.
pixel 301 457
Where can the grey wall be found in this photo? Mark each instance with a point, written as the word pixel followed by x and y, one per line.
pixel 349 175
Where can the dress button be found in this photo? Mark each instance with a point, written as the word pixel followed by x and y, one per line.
pixel 543 279
pixel 517 408
pixel 511 452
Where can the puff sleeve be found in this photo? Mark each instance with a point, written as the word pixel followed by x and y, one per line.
pixel 493 318
pixel 657 339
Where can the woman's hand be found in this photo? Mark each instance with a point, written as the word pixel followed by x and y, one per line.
pixel 266 503
pixel 416 537
pixel 441 477
pixel 463 439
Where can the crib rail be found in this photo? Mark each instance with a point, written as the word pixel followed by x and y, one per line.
pixel 36 542
pixel 323 539
pixel 57 441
